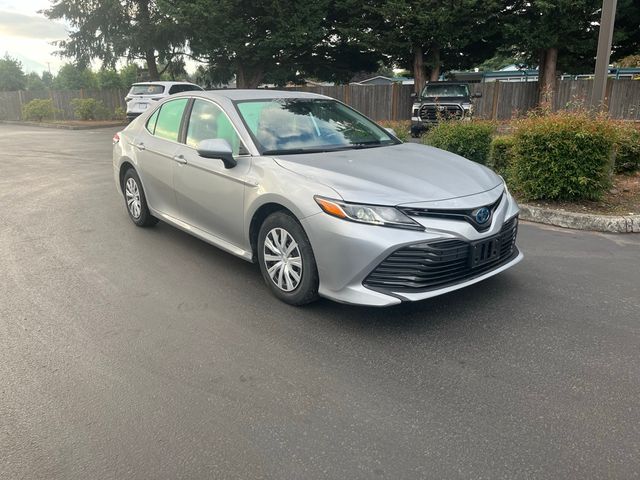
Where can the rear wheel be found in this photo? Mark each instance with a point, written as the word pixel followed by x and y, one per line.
pixel 135 200
pixel 286 259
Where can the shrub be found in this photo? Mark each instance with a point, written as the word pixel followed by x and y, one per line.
pixel 471 140
pixel 400 127
pixel 562 156
pixel 627 147
pixel 501 154
pixel 38 110
pixel 119 114
pixel 89 109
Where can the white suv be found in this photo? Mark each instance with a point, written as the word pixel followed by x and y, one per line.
pixel 144 94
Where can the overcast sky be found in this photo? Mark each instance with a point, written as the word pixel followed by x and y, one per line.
pixel 27 35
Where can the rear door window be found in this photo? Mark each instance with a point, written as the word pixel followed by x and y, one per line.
pixel 151 123
pixel 146 90
pixel 183 88
pixel 169 119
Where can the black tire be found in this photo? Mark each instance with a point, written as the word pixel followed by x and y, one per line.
pixel 143 217
pixel 306 290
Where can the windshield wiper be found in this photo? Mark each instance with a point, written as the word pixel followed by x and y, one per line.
pixel 373 144
pixel 294 151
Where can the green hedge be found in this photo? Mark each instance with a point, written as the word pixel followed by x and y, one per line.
pixel 400 127
pixel 501 154
pixel 471 139
pixel 562 156
pixel 38 110
pixel 89 109
pixel 627 148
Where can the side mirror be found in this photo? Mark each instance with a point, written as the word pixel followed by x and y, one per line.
pixel 477 95
pixel 217 148
pixel 414 94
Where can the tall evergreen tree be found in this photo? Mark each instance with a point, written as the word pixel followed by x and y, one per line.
pixel 113 29
pixel 552 34
pixel 11 75
pixel 427 35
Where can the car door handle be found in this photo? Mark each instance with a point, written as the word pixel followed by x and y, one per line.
pixel 140 146
pixel 180 159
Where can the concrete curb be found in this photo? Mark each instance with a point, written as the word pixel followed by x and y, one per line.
pixel 581 221
pixel 63 126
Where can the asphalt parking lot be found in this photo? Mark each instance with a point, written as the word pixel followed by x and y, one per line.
pixel 146 353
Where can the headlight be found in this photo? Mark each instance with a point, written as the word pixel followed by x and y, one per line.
pixel 370 214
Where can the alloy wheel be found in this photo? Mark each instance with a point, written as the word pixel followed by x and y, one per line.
pixel 132 193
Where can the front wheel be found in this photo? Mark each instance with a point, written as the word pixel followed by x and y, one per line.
pixel 286 259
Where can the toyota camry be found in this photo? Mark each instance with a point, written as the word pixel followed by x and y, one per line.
pixel 327 202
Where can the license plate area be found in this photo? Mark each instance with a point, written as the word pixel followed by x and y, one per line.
pixel 484 251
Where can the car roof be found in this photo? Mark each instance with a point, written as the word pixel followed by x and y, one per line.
pixel 163 83
pixel 447 83
pixel 234 94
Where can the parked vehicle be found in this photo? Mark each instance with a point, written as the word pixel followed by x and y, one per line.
pixel 144 94
pixel 441 101
pixel 327 202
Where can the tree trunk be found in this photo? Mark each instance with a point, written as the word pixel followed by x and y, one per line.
pixel 144 25
pixel 152 66
pixel 248 77
pixel 435 65
pixel 418 70
pixel 547 76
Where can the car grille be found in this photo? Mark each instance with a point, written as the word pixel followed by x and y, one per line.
pixel 433 113
pixel 466 215
pixel 429 266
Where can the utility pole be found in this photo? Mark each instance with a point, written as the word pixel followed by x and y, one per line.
pixel 605 38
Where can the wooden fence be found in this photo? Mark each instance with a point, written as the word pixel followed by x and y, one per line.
pixel 11 103
pixel 499 100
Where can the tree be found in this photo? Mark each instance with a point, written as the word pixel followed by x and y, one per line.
pixel 114 29
pixel 552 34
pixel 72 77
pixel 47 79
pixel 630 61
pixel 108 78
pixel 251 37
pixel 626 34
pixel 34 82
pixel 425 35
pixel 11 75
pixel 129 75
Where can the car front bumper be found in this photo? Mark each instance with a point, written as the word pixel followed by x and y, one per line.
pixel 347 253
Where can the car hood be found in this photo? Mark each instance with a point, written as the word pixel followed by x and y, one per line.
pixel 394 175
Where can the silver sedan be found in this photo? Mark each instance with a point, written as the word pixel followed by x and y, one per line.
pixel 327 202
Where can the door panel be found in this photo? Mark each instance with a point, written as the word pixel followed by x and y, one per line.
pixel 156 172
pixel 156 147
pixel 210 196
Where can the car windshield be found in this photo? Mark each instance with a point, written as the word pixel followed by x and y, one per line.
pixel 445 91
pixel 146 90
pixel 288 126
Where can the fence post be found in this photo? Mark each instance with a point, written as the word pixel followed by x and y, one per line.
pixel 395 99
pixel 21 102
pixel 347 94
pixel 607 95
pixel 496 100
pixel 53 103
